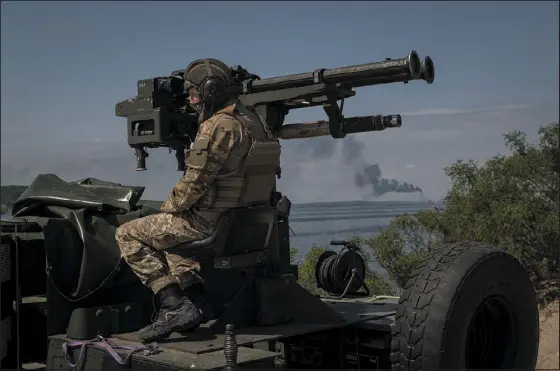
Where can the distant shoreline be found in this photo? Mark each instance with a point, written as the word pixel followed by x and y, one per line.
pixel 10 193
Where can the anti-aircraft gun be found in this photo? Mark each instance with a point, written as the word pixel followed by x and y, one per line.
pixel 250 282
pixel 159 115
pixel 459 311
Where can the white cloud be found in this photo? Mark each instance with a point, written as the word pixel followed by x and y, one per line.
pixel 410 166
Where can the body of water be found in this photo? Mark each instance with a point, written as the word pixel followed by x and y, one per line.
pixel 318 223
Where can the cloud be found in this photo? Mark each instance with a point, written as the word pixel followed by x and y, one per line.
pixel 456 112
pixel 410 166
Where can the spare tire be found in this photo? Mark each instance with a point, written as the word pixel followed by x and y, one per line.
pixel 467 306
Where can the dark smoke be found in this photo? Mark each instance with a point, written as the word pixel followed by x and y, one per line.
pixel 352 149
pixel 366 175
pixel 317 148
pixel 370 175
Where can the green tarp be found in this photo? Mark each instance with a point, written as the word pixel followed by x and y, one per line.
pixel 79 220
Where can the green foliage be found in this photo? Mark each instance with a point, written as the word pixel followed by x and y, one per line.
pixel 306 271
pixel 399 247
pixel 293 253
pixel 511 202
pixel 378 284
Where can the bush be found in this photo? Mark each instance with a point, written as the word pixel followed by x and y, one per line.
pixel 400 246
pixel 510 201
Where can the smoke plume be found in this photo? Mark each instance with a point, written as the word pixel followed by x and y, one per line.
pixel 370 175
pixel 366 174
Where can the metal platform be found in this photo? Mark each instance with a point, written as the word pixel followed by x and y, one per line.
pixel 201 349
pixel 376 316
pixel 167 359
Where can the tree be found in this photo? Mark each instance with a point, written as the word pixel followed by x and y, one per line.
pixel 510 201
pixel 400 246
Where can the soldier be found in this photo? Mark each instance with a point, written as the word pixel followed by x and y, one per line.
pixel 217 178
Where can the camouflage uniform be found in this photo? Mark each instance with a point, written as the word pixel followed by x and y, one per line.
pixel 143 241
pixel 212 183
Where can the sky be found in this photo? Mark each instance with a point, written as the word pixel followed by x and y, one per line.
pixel 64 66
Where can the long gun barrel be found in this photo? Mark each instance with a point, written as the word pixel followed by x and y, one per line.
pixel 387 71
pixel 427 73
pixel 160 116
pixel 350 125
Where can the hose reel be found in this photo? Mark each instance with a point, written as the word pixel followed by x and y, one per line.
pixel 343 273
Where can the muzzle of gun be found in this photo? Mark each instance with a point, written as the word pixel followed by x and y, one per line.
pixel 350 125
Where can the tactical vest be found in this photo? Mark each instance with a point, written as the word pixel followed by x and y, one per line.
pixel 255 180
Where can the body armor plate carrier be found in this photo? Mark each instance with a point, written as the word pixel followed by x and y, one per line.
pixel 253 183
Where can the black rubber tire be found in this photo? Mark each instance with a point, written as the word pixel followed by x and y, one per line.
pixel 439 303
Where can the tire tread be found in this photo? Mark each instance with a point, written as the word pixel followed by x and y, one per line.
pixel 414 305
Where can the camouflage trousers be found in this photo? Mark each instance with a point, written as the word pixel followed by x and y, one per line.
pixel 143 243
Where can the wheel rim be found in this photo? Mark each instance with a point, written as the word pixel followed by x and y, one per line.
pixel 492 336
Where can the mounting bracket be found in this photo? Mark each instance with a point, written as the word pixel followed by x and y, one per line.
pixel 336 118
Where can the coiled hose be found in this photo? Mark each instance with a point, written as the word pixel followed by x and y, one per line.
pixel 334 271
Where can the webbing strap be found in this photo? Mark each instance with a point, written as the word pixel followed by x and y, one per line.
pixel 101 342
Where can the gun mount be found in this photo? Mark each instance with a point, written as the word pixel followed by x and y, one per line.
pixel 160 117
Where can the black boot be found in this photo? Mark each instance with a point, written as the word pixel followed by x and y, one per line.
pixel 193 287
pixel 196 294
pixel 176 313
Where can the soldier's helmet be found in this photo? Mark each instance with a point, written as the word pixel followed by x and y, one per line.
pixel 211 78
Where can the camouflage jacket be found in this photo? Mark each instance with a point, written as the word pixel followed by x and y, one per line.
pixel 222 144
